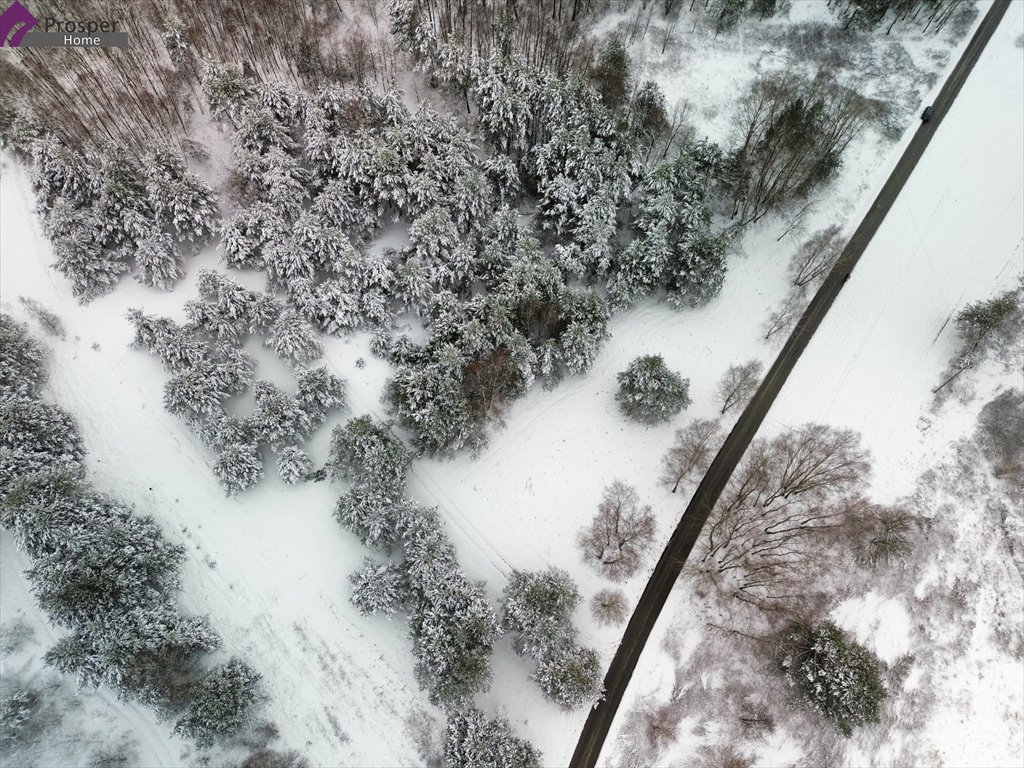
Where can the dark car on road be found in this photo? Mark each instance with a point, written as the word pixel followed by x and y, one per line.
pixel 927 114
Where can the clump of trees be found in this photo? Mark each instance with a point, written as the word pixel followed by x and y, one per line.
pixel 107 210
pixel 618 539
pixel 837 677
pixel 102 572
pixel 649 392
pixel 537 608
pixel 792 135
pixel 787 495
pixel 208 368
pixel 450 622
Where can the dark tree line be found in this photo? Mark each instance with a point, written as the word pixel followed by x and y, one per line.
pixel 101 571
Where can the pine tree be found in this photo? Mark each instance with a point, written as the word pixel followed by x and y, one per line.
pixel 123 562
pixel 178 198
pixel 158 261
pixel 134 651
pixel 368 451
pixel 378 588
pixel 293 340
pixel 239 467
pixel 293 464
pixel 22 360
pixel 649 392
pixel 372 511
pixel 36 437
pixel 836 676
pixel 222 703
pixel 474 740
pixel 538 607
pixel 429 400
pixel 318 392
pixel 569 675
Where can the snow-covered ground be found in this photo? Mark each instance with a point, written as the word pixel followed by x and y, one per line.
pixel 271 566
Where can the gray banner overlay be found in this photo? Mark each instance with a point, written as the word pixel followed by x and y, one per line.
pixel 75 40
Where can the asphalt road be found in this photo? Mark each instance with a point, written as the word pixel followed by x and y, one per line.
pixel 679 546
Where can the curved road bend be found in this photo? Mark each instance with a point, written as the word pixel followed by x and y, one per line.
pixel 670 564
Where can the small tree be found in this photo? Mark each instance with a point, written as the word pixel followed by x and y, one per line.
pixel 649 392
pixel 222 703
pixel 738 384
pixel 293 464
pixel 609 607
pixel 816 257
pixel 692 451
pixel 839 678
pixel 623 531
pixel 979 326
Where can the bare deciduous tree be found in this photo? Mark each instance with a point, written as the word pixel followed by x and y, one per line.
pixel 609 607
pixel 738 384
pixel 692 451
pixel 785 317
pixel 816 256
pixel 787 491
pixel 617 540
pixel 792 134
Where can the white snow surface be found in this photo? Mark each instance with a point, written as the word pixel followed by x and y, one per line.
pixel 271 566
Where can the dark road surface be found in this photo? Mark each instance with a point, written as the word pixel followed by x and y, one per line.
pixel 669 566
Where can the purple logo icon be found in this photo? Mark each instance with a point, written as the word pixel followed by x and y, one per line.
pixel 11 18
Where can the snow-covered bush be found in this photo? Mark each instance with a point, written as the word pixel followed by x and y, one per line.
pixel 649 392
pixel 609 606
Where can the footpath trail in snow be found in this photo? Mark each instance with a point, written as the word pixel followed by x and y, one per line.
pixel 953 236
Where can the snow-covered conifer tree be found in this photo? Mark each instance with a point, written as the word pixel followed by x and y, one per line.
pixel 239 467
pixel 222 703
pixel 649 392
pixel 158 261
pixel 378 588
pixel 293 340
pixel 293 464
pixel 474 740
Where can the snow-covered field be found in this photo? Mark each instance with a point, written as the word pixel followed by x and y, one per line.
pixel 271 566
